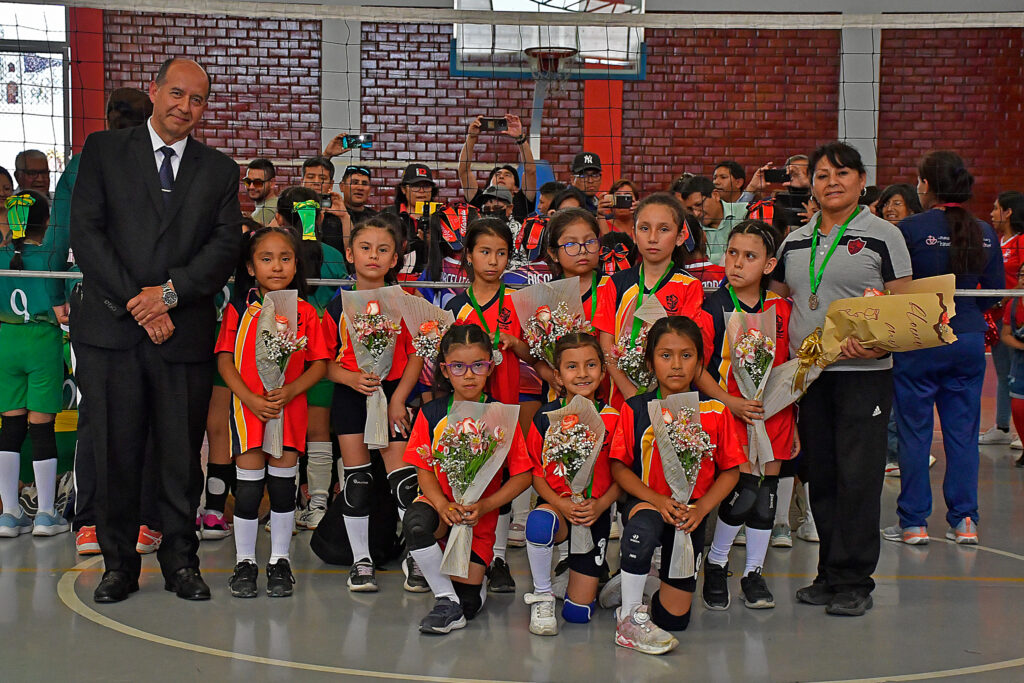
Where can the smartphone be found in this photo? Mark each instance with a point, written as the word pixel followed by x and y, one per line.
pixel 776 176
pixel 325 201
pixel 493 125
pixel 623 201
pixel 363 141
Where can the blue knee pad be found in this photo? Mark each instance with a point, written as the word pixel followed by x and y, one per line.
pixel 577 614
pixel 541 527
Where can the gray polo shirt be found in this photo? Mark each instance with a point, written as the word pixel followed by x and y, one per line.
pixel 871 253
pixel 718 238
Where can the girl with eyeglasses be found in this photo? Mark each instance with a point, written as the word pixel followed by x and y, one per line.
pixel 464 365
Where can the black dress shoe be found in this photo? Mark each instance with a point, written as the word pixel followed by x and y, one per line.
pixel 115 586
pixel 188 584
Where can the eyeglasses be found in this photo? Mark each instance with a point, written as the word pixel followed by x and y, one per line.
pixel 576 248
pixel 253 182
pixel 34 173
pixel 592 175
pixel 481 367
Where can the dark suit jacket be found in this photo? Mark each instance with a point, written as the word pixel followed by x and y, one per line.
pixel 124 239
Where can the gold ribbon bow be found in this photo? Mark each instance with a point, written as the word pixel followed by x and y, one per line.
pixel 307 214
pixel 809 354
pixel 17 213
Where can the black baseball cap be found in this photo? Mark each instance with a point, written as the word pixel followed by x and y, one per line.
pixel 417 173
pixel 585 161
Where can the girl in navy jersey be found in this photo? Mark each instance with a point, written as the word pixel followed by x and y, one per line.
pixel 675 354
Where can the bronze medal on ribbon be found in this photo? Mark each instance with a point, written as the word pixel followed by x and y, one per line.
pixel 813 301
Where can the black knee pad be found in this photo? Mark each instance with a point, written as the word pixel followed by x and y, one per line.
pixel 282 493
pixel 44 441
pixel 665 619
pixel 505 509
pixel 738 504
pixel 248 495
pixel 12 433
pixel 471 597
pixel 763 515
pixel 787 469
pixel 419 525
pixel 640 537
pixel 404 486
pixel 357 491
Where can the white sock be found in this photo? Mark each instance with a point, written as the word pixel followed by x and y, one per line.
pixel 245 538
pixel 540 566
pixel 358 529
pixel 521 507
pixel 501 535
pixel 10 467
pixel 632 591
pixel 757 548
pixel 319 461
pixel 281 526
pixel 725 534
pixel 563 550
pixel 429 562
pixel 46 483
pixel 783 500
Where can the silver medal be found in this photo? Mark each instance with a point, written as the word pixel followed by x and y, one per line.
pixel 812 302
pixel 497 357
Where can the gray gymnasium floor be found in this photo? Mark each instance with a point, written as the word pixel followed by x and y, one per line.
pixel 940 611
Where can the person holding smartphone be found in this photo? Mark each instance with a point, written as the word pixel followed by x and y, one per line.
pixel 618 204
pixel 505 175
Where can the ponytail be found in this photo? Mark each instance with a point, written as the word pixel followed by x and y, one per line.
pixel 952 184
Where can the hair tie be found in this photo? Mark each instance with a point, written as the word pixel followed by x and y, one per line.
pixel 17 213
pixel 307 214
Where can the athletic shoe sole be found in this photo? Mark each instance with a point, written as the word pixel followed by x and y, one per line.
pixel 215 534
pixel 444 630
pixel 14 532
pixel 364 588
pixel 760 604
pixel 244 594
pixel 645 649
pixel 856 612
pixel 782 542
pixel 409 587
pixel 88 549
pixel 52 530
pixel 551 630
pixel 716 608
pixel 961 540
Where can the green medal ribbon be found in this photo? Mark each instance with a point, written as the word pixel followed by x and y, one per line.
pixel 736 300
pixel 637 323
pixel 451 399
pixel 816 278
pixel 307 214
pixel 17 213
pixel 480 313
pixel 593 297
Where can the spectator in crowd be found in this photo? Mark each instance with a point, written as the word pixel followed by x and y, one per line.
pixel 697 263
pixel 843 416
pixel 897 202
pixel 586 177
pixel 694 192
pixel 676 186
pixel 546 193
pixel 620 219
pixel 32 171
pixel 505 175
pixel 318 175
pixel 870 198
pixel 785 205
pixel 569 197
pixel 945 238
pixel 729 179
pixel 1008 221
pixel 262 189
pixel 6 190
pixel 356 188
pixel 717 216
pixel 414 194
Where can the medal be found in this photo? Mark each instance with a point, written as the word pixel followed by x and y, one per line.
pixel 497 357
pixel 812 302
pixel 577 498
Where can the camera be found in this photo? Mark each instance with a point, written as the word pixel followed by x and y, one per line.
pixel 325 201
pixel 776 176
pixel 363 141
pixel 493 125
pixel 623 201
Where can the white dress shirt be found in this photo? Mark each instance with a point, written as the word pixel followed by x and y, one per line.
pixel 178 147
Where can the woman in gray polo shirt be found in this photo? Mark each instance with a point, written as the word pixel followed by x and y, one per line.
pixel 843 250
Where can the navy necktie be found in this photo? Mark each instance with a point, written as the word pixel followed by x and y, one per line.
pixel 167 174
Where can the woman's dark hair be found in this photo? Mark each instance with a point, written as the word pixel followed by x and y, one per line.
pixel 400 197
pixel 6 174
pixel 1014 202
pixel 951 183
pixel 677 324
pixel 250 225
pixel 245 282
pixel 459 334
pixel 393 225
pixel 507 167
pixel 623 182
pixel 312 250
pixel 680 254
pixel 479 228
pixel 557 224
pixel 565 195
pixel 839 154
pixel 768 236
pixel 577 340
pixel 35 225
pixel 907 192
pixel 870 196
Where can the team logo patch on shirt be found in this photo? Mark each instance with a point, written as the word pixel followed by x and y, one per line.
pixel 504 317
pixel 671 304
pixel 854 246
pixel 931 241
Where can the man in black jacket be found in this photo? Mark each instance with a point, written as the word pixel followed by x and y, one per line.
pixel 156 230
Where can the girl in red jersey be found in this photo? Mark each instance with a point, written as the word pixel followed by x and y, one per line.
pixel 749 260
pixel 675 354
pixel 660 234
pixel 272 263
pixel 373 250
pixel 464 364
pixel 580 369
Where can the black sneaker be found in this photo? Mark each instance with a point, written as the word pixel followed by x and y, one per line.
pixel 362 578
pixel 816 594
pixel 243 580
pixel 444 618
pixel 280 579
pixel 849 604
pixel 716 586
pixel 755 591
pixel 415 582
pixel 499 578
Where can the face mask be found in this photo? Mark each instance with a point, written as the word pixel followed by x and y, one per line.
pixel 496 213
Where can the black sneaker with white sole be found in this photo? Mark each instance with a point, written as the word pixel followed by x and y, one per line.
pixel 716 586
pixel 362 578
pixel 755 591
pixel 415 582
pixel 243 580
pixel 444 618
pixel 499 577
pixel 280 580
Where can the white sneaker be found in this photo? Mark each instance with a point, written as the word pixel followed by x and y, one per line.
pixel 516 535
pixel 1017 445
pixel 310 517
pixel 741 536
pixel 781 536
pixel 638 631
pixel 542 614
pixel 808 531
pixel 995 437
pixel 892 469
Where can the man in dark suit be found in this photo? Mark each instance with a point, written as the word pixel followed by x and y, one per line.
pixel 156 230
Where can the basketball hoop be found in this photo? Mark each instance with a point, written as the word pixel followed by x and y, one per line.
pixel 549 64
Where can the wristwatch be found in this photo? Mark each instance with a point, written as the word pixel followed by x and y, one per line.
pixel 170 297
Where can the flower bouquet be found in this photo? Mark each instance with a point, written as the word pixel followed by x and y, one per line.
pixel 471 451
pixel 684 446
pixel 427 322
pixel 573 442
pixel 546 325
pixel 373 324
pixel 628 353
pixel 276 341
pixel 752 349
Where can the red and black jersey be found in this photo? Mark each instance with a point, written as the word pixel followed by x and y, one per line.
pixel 707 272
pixel 601 480
pixel 503 384
pixel 339 343
pixel 635 446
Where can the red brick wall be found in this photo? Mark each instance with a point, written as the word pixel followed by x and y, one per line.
pixel 266 77
pixel 958 90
